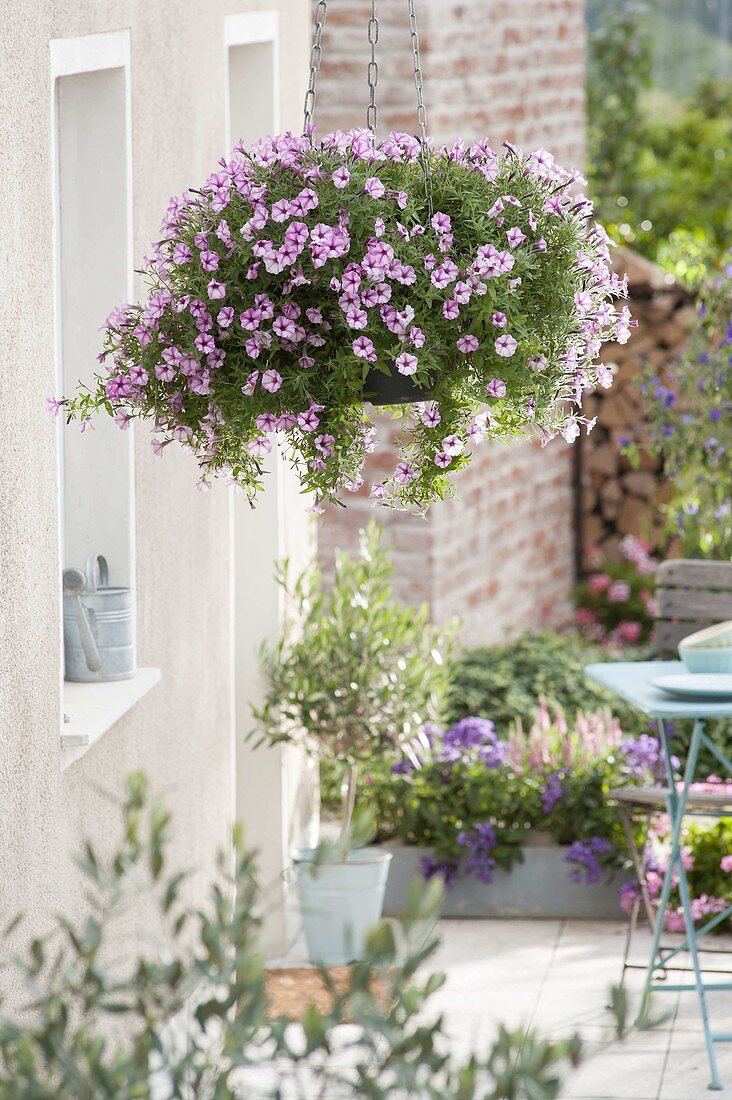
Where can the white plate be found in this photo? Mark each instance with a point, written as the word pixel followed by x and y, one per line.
pixel 708 685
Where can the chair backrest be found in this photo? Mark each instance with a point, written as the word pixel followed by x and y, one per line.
pixel 689 596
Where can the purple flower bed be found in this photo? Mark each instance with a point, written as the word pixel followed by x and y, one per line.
pixel 476 799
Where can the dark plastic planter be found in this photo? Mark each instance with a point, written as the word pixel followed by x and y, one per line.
pixel 393 389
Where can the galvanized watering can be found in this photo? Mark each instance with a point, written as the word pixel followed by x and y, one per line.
pixel 98 631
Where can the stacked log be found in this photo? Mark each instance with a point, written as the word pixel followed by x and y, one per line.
pixel 616 497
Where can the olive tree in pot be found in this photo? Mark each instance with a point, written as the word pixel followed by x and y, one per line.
pixel 354 672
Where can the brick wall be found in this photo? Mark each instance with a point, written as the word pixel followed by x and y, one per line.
pixel 502 556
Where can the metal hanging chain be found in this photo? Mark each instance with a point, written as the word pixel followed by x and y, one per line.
pixel 421 109
pixel 316 54
pixel 372 111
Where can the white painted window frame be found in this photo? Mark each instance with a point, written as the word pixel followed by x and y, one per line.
pixel 247 29
pixel 70 57
pixel 92 708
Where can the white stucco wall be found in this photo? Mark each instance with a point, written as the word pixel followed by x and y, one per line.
pixel 181 733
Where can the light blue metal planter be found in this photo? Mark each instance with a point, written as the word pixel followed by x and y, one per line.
pixel 340 902
pixel 538 887
pixel 108 612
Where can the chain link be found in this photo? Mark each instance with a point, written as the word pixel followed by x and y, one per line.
pixel 421 109
pixel 372 111
pixel 316 54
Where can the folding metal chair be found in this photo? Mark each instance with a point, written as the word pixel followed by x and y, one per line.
pixel 646 802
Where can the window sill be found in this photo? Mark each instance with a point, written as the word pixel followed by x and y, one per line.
pixel 92 710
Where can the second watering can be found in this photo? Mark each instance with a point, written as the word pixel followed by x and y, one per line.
pixel 98 627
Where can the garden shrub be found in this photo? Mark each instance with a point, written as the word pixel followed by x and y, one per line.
pixel 707 860
pixel 507 682
pixel 188 1015
pixel 614 602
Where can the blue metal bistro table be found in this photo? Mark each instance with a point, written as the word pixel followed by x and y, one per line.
pixel 631 682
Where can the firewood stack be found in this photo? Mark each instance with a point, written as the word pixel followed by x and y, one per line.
pixel 617 499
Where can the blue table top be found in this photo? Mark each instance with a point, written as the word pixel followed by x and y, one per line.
pixel 629 680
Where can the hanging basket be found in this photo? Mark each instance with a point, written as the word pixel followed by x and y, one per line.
pixel 382 389
pixel 283 286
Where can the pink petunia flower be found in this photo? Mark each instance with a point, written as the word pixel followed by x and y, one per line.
pixel 452 445
pixel 444 274
pixel 378 490
pixel 466 344
pixel 250 384
pixel 53 406
pixel 506 345
pixel 271 381
pixel 209 260
pixel 266 422
pixel 182 254
pixel 442 459
pixel 570 430
pixel 629 631
pixel 364 348
pixel 324 444
pixel 308 420
pixel 441 223
pixel 500 320
pixel 341 177
pixel 515 237
pixel 259 447
pixel 374 187
pixel 450 309
pixel 496 388
pixel 431 416
pixel 404 473
pixel 406 363
pixel 216 289
pixel 204 343
pixel 285 328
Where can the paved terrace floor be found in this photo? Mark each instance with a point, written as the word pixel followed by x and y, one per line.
pixel 555 976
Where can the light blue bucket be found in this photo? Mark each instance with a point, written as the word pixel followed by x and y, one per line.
pixel 340 902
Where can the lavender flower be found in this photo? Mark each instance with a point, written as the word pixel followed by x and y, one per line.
pixel 643 757
pixel 478 843
pixel 447 869
pixel 585 853
pixel 473 736
pixel 552 793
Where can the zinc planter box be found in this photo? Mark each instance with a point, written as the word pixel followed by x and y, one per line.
pixel 538 887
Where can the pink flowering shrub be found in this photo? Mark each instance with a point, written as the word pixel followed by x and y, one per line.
pixel 615 601
pixel 707 862
pixel 298 268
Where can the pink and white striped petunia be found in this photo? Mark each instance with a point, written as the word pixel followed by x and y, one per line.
pixel 406 363
pixel 506 345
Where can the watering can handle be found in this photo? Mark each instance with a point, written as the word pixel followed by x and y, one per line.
pixel 91 572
